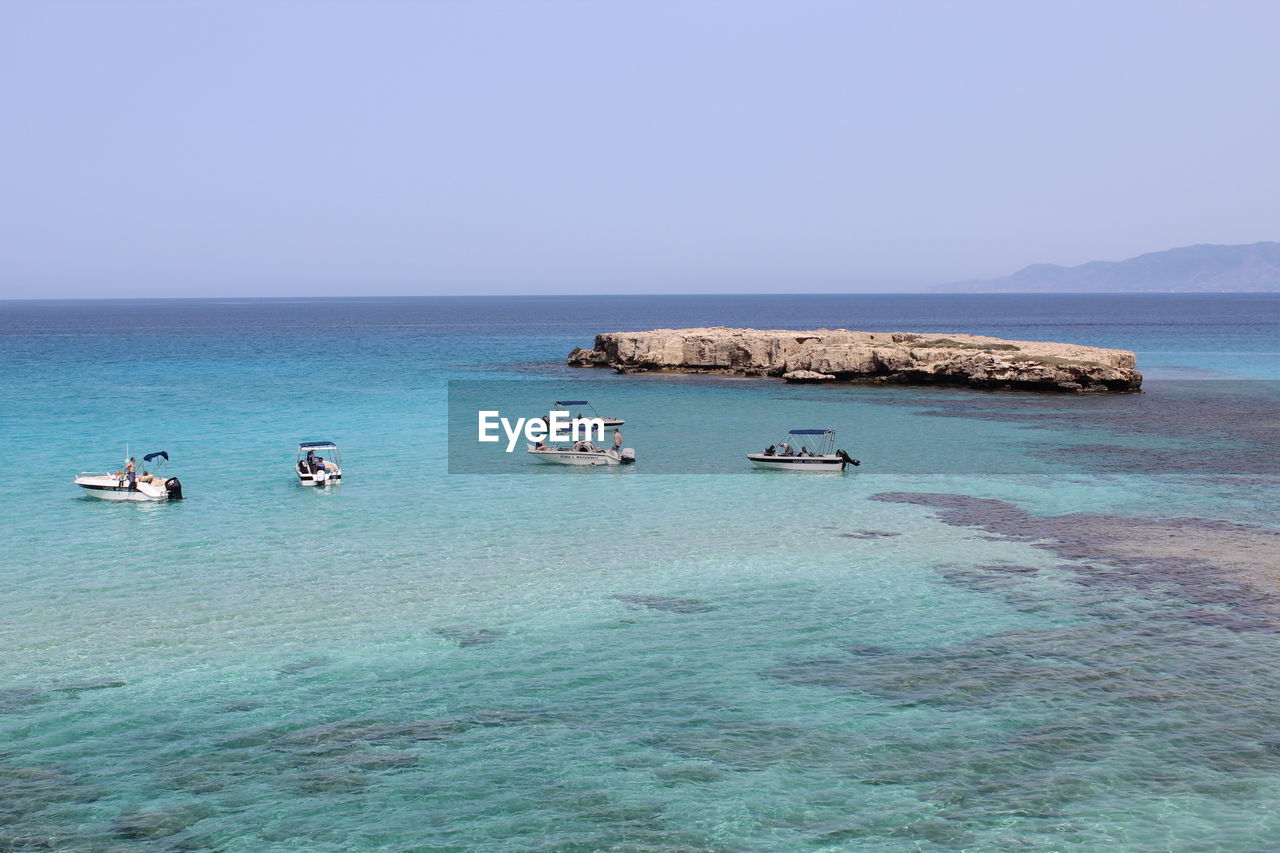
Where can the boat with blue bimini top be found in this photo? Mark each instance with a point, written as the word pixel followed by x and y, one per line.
pixel 129 485
pixel 565 405
pixel 805 450
pixel 319 464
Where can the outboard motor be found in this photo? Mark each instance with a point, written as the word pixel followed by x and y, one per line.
pixel 846 459
pixel 173 488
pixel 627 455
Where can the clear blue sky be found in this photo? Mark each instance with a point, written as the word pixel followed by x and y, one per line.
pixel 271 147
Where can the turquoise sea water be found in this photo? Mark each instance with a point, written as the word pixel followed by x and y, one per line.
pixel 635 660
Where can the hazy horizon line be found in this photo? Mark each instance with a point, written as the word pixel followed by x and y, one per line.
pixel 384 297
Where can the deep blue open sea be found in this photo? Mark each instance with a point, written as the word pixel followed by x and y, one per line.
pixel 1026 622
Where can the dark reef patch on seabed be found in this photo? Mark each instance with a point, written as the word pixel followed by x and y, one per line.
pixel 16 700
pixel 26 792
pixel 1137 696
pixel 468 637
pixel 303 665
pixel 86 686
pixel 666 603
pixel 159 823
pixel 1149 689
pixel 1232 571
pixel 1119 459
pixel 1210 428
pixel 1143 699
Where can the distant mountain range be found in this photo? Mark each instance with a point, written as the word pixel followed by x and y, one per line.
pixel 1202 268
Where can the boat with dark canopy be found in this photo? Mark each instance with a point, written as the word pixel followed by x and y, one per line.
pixel 805 450
pixel 566 405
pixel 126 485
pixel 319 463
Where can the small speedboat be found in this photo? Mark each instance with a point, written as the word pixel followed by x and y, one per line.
pixel 121 486
pixel 582 453
pixel 319 464
pixel 564 405
pixel 805 450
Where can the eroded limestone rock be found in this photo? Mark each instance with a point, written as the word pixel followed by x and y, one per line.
pixel 825 355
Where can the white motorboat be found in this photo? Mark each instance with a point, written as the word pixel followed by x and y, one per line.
pixel 805 450
pixel 564 406
pixel 582 453
pixel 123 486
pixel 319 464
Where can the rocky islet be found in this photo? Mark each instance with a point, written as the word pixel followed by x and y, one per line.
pixel 826 355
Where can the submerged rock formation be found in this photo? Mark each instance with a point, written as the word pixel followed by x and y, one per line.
pixel 828 355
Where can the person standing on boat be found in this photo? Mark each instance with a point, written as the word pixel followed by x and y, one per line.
pixel 617 441
pixel 131 471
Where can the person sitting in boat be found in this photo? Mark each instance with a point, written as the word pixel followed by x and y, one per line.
pixel 770 450
pixel 321 465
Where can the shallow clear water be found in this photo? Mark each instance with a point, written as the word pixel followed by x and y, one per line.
pixel 642 659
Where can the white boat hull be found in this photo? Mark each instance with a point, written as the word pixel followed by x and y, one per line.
pixel 114 489
pixel 586 459
pixel 320 479
pixel 798 463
